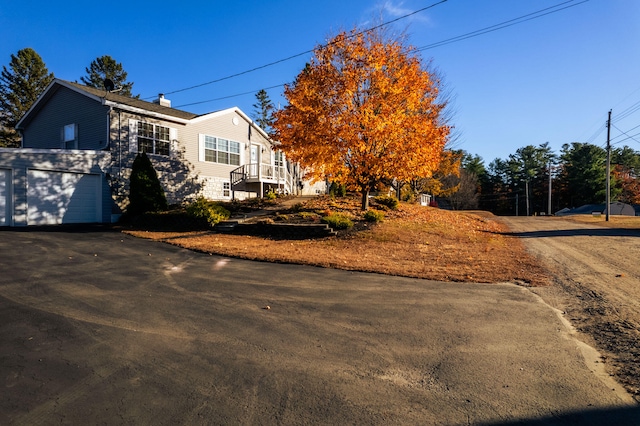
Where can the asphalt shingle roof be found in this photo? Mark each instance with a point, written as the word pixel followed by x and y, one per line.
pixel 135 103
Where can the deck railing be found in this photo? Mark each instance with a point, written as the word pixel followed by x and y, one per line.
pixel 266 173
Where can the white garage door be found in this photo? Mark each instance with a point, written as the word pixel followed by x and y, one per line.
pixel 61 197
pixel 5 190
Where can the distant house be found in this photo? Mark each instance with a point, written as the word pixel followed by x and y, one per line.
pixel 78 145
pixel 615 208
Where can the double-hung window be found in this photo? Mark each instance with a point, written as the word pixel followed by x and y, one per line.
pixel 70 136
pixel 278 159
pixel 223 151
pixel 153 139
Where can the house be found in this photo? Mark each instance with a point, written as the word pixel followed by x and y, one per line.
pixel 616 208
pixel 78 145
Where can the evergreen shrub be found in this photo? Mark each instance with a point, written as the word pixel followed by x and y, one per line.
pixel 337 221
pixel 145 192
pixel 388 201
pixel 373 216
pixel 207 211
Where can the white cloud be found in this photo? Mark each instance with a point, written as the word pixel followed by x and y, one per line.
pixel 397 9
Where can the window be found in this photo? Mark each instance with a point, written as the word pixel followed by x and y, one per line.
pixel 223 151
pixel 278 159
pixel 226 189
pixel 153 139
pixel 70 136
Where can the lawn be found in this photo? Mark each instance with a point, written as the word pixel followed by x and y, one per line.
pixel 412 241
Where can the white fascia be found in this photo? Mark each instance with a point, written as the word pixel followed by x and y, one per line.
pixel 145 112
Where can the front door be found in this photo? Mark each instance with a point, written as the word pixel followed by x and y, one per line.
pixel 255 160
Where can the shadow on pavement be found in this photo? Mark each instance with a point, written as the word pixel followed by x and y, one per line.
pixel 625 416
pixel 590 232
pixel 75 228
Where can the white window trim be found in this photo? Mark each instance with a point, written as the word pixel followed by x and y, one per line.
pixel 202 150
pixel 133 137
pixel 64 137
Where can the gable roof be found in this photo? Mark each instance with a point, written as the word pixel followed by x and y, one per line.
pixel 132 105
pixel 109 99
pixel 120 100
pixel 236 110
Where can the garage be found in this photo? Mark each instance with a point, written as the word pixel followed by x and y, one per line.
pixel 5 197
pixel 55 197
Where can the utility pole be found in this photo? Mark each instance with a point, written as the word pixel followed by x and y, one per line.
pixel 608 167
pixel 549 202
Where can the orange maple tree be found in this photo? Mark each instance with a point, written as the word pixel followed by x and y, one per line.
pixel 444 181
pixel 627 183
pixel 362 112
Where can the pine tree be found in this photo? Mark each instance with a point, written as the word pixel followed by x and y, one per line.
pixel 20 86
pixel 107 67
pixel 145 191
pixel 263 112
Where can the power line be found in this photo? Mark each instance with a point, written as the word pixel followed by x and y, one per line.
pixel 627 112
pixel 505 24
pixel 624 114
pixel 230 96
pixel 596 134
pixel 495 27
pixel 626 134
pixel 301 53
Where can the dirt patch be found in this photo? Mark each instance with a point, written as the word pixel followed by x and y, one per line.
pixel 412 241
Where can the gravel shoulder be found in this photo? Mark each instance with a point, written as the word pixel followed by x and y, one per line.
pixel 595 272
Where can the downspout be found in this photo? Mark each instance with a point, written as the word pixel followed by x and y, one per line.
pixel 108 140
pixel 119 154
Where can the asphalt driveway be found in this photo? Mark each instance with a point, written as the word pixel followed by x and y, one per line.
pixel 97 327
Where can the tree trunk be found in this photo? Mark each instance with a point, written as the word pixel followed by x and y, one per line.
pixel 365 199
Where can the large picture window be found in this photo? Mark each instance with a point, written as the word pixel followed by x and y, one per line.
pixel 223 151
pixel 153 139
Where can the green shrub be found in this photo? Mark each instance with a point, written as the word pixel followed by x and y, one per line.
pixel 337 221
pixel 270 195
pixel 309 215
pixel 145 192
pixel 386 200
pixel 205 210
pixel 337 190
pixel 373 216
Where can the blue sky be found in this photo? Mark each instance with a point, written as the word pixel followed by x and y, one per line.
pixel 551 79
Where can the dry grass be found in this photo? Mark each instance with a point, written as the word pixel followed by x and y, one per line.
pixel 413 241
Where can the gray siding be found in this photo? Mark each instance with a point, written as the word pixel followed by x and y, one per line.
pixel 63 108
pixel 177 176
pixel 20 161
pixel 109 128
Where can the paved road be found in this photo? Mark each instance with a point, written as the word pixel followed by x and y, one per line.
pixel 596 272
pixel 99 327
